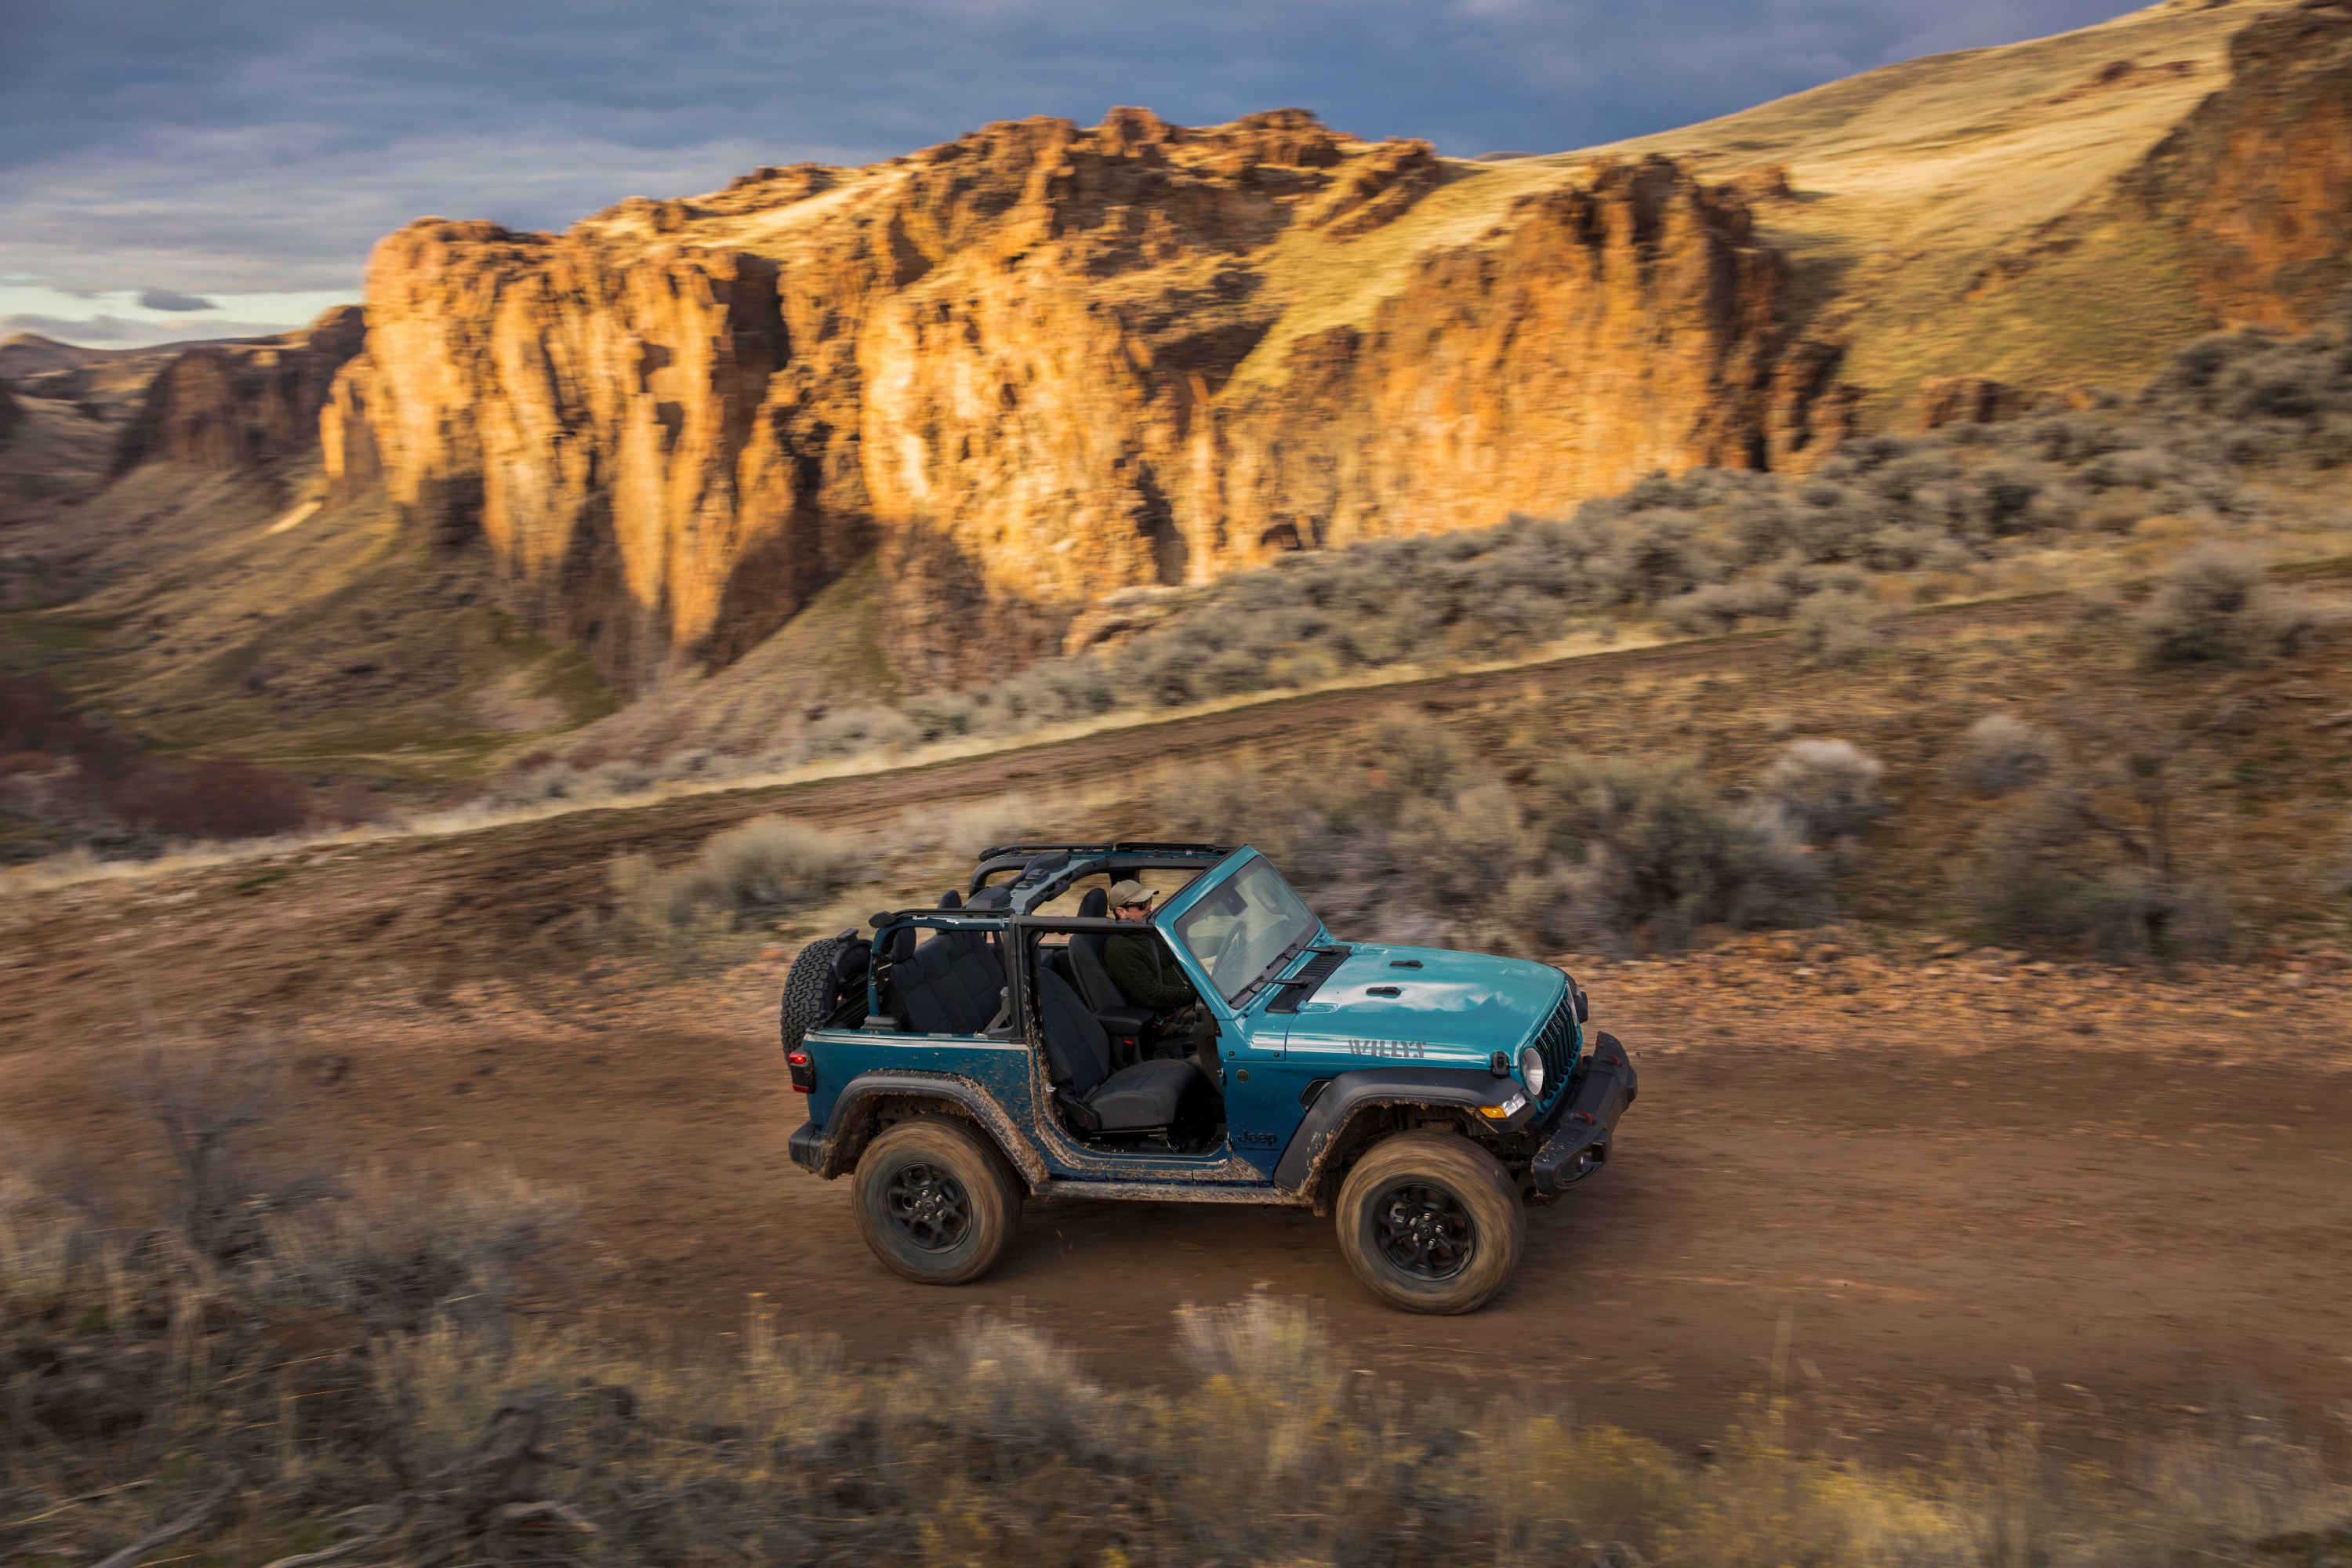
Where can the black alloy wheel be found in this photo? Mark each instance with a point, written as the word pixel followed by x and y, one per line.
pixel 1431 1222
pixel 929 1206
pixel 935 1200
pixel 1424 1231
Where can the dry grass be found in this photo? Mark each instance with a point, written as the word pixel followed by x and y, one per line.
pixel 996 1445
pixel 1910 177
pixel 764 868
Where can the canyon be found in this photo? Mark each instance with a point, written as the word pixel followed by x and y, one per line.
pixel 1044 365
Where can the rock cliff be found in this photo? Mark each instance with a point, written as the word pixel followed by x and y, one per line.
pixel 245 406
pixel 1042 364
pixel 1009 364
pixel 2259 178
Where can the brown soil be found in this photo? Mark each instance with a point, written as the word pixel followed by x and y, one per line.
pixel 2135 1187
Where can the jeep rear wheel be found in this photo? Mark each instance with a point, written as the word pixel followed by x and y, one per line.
pixel 935 1201
pixel 1431 1223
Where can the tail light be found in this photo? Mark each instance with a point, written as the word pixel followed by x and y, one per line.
pixel 803 1071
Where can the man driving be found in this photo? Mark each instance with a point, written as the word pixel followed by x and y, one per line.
pixel 1138 964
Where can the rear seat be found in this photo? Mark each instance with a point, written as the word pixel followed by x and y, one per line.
pixel 953 984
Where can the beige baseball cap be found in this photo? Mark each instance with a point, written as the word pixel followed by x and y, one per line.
pixel 1122 894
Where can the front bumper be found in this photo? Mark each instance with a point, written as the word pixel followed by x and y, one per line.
pixel 1578 1141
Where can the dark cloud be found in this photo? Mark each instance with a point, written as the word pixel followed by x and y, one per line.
pixel 252 145
pixel 171 300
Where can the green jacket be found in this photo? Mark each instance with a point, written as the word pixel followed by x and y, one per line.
pixel 1143 974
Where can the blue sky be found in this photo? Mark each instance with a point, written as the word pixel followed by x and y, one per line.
pixel 171 170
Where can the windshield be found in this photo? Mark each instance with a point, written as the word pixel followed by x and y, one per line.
pixel 1244 925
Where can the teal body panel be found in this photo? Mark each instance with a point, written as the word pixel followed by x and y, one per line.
pixel 1000 1066
pixel 1450 1010
pixel 1456 1011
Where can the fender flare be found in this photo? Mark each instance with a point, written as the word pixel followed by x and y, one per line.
pixel 1301 1165
pixel 864 1095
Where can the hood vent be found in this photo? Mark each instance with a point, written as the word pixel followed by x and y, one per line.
pixel 1302 986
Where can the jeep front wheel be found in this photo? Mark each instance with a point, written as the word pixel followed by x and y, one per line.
pixel 1431 1223
pixel 935 1202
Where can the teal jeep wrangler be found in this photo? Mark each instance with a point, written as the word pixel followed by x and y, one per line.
pixel 968 1057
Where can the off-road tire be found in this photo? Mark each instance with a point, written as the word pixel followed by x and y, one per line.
pixel 1457 1198
pixel 936 1201
pixel 808 990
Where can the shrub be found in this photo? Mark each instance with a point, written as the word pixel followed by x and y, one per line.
pixel 1455 848
pixel 1827 790
pixel 2045 874
pixel 966 831
pixel 2000 754
pixel 205 1104
pixel 765 868
pixel 399 1253
pixel 769 865
pixel 939 715
pixel 1650 851
pixel 2218 608
pixel 1237 803
pixel 211 800
pixel 853 734
pixel 1837 627
pixel 1720 606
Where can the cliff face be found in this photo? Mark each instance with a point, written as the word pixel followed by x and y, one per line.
pixel 2260 176
pixel 1041 363
pixel 242 405
pixel 1009 363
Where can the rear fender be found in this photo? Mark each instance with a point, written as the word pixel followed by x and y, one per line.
pixel 1354 1103
pixel 871 1101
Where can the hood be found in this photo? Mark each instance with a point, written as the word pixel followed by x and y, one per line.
pixel 1455 1007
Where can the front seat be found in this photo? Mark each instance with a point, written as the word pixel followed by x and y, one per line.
pixel 1087 964
pixel 1145 1097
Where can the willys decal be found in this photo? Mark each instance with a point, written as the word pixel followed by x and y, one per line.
pixel 1407 1048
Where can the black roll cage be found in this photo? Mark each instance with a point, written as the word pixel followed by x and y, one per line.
pixel 1014 922
pixel 1020 932
pixel 1086 859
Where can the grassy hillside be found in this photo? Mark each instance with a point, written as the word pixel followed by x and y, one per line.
pixel 1910 182
pixel 223 622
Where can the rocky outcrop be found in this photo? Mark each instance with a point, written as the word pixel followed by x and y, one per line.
pixel 1970 400
pixel 2260 176
pixel 1013 365
pixel 243 405
pixel 9 413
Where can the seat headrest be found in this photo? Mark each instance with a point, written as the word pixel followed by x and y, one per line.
pixel 1095 905
pixel 950 899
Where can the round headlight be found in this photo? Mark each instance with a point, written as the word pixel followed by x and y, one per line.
pixel 1531 1068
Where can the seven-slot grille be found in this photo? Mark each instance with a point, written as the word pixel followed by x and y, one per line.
pixel 1558 1042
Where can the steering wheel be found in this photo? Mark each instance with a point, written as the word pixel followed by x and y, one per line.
pixel 1237 942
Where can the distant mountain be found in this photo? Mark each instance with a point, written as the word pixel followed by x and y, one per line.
pixel 29 353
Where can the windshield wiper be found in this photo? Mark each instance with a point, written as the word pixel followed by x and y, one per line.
pixel 1281 960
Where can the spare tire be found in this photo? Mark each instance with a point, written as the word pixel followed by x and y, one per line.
pixel 812 988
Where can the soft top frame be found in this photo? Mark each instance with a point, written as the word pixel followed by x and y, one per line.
pixel 1117 847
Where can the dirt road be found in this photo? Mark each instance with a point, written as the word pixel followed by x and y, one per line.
pixel 2149 1219
pixel 2135 1189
